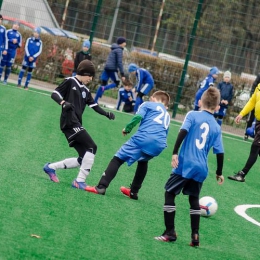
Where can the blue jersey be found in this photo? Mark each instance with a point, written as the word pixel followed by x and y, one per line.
pixel 203 133
pixel 143 77
pixel 123 96
pixel 3 39
pixel 33 48
pixel 151 135
pixel 11 35
pixel 205 84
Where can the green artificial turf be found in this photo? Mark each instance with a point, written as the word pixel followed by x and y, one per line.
pixel 73 224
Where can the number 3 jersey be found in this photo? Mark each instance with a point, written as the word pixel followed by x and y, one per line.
pixel 152 133
pixel 203 133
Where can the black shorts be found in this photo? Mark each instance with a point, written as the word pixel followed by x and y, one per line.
pixel 176 183
pixel 257 134
pixel 79 139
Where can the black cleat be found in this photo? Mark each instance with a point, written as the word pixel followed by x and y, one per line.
pixel 167 237
pixel 195 241
pixel 240 176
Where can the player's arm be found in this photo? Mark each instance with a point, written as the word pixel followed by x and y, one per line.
pixel 135 120
pixel 102 112
pixel 220 161
pixel 181 136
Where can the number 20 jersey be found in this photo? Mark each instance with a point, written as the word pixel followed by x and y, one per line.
pixel 203 133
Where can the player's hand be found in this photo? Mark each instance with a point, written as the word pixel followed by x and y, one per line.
pixel 14 41
pixel 123 79
pixel 66 106
pixel 238 118
pixel 175 161
pixel 4 52
pixel 110 116
pixel 31 58
pixel 220 179
pixel 124 132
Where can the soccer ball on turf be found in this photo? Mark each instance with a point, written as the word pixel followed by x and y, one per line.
pixel 208 206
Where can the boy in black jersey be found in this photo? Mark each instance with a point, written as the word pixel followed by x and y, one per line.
pixel 73 95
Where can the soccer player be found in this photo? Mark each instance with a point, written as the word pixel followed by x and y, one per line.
pixel 113 63
pixel 73 96
pixel 3 39
pixel 82 55
pixel 204 85
pixel 33 49
pixel 253 103
pixel 199 132
pixel 125 95
pixel 144 84
pixel 149 141
pixel 226 95
pixel 14 41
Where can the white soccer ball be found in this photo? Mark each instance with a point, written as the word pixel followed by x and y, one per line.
pixel 208 206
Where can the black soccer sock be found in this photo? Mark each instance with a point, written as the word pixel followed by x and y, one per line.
pixel 169 212
pixel 254 152
pixel 194 214
pixel 140 174
pixel 110 172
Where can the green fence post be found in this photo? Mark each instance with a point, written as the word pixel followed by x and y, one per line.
pixel 188 54
pixel 95 20
pixel 1 2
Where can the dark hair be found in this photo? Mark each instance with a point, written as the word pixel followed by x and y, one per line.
pixel 86 68
pixel 127 82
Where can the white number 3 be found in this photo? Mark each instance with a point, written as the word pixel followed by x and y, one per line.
pixel 199 144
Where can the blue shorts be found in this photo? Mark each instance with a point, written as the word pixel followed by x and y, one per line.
pixel 176 183
pixel 8 59
pixel 130 153
pixel 27 63
pixel 145 88
pixel 222 112
pixel 113 75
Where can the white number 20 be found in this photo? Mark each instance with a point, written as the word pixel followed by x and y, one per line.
pixel 199 144
pixel 163 118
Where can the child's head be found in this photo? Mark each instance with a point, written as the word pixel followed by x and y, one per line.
pixel 132 68
pixel 128 85
pixel 85 45
pixel 85 71
pixel 214 71
pixel 16 25
pixel 162 97
pixel 121 41
pixel 227 76
pixel 37 32
pixel 210 99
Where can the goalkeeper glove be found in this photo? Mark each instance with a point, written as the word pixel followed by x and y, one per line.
pixel 66 106
pixel 110 116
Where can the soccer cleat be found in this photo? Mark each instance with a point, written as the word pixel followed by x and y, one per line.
pixel 127 192
pixel 240 176
pixel 51 173
pixel 167 237
pixel 26 88
pixel 79 185
pixel 19 86
pixel 246 137
pixel 4 82
pixel 96 190
pixel 195 240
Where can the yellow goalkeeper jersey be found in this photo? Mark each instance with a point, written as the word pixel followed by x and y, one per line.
pixel 253 103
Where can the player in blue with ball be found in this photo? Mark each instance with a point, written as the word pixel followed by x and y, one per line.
pixel 199 132
pixel 149 141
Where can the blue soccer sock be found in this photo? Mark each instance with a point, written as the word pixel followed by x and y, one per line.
pixel 29 76
pixel 112 85
pixel 138 102
pixel 1 71
pixel 99 93
pixel 7 72
pixel 20 77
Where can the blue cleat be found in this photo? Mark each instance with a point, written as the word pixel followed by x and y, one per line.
pixel 4 82
pixel 51 173
pixel 79 185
